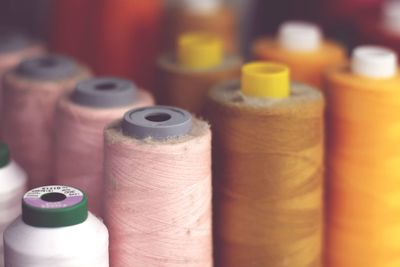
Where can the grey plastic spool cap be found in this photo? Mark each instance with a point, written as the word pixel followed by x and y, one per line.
pixel 47 67
pixel 104 92
pixel 157 122
pixel 11 41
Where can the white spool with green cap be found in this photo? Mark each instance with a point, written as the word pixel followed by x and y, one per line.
pixel 56 230
pixel 13 182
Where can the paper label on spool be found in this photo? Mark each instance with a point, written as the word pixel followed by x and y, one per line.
pixel 53 197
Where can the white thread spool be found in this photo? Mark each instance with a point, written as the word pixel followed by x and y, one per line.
pixel 56 230
pixel 391 16
pixel 13 183
pixel 299 36
pixel 374 62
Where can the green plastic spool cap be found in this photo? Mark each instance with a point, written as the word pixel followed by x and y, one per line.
pixel 54 206
pixel 4 155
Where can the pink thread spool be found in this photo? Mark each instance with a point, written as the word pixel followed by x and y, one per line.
pixel 81 118
pixel 31 92
pixel 15 47
pixel 158 189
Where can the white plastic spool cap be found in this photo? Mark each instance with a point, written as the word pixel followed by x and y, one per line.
pixel 201 6
pixel 374 62
pixel 299 36
pixel 391 16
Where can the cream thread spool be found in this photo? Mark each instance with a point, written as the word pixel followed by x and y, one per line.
pixel 13 184
pixel 80 121
pixel 31 92
pixel 158 183
pixel 56 230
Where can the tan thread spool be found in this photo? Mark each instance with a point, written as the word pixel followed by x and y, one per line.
pixel 222 22
pixel 198 64
pixel 31 92
pixel 268 176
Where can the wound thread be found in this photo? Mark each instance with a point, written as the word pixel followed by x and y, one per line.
pixel 268 177
pixel 363 164
pixel 167 221
pixel 80 120
pixel 29 117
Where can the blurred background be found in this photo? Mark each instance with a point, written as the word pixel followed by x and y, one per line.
pixel 124 37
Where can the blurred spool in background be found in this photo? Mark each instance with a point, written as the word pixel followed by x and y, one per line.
pixel 56 230
pixel 31 92
pixel 187 75
pixel 301 46
pixel 13 183
pixel 211 16
pixel 80 121
pixel 381 26
pixel 15 47
pixel 268 170
pixel 158 187
pixel 363 141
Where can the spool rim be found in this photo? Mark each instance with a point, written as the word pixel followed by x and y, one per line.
pixel 104 92
pixel 4 155
pixel 200 50
pixel 300 36
pixel 47 67
pixel 157 122
pixel 46 207
pixel 374 62
pixel 266 79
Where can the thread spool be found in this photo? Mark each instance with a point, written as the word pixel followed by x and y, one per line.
pixel 268 169
pixel 126 39
pixel 13 183
pixel 31 92
pixel 381 28
pixel 363 121
pixel 81 118
pixel 56 230
pixel 300 45
pixel 158 186
pixel 14 47
pixel 200 63
pixel 210 16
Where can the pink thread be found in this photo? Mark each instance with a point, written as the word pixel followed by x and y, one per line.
pixel 79 145
pixel 28 122
pixel 158 199
pixel 11 59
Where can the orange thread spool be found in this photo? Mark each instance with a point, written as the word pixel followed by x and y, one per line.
pixel 364 161
pixel 300 46
pixel 127 39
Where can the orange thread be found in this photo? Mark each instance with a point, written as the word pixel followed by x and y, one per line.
pixel 305 67
pixel 363 170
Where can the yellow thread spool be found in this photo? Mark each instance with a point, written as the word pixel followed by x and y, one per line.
pixel 200 50
pixel 266 79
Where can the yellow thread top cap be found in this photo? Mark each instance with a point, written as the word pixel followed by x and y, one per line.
pixel 200 50
pixel 266 79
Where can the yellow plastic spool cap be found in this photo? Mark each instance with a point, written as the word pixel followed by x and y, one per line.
pixel 199 50
pixel 265 79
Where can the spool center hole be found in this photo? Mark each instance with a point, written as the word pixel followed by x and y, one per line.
pixel 106 86
pixel 158 117
pixel 48 63
pixel 53 197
